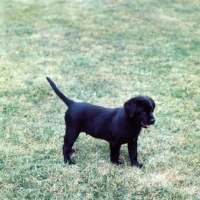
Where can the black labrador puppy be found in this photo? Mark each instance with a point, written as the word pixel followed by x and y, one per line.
pixel 115 125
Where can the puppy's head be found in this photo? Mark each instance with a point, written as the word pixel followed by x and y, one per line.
pixel 140 109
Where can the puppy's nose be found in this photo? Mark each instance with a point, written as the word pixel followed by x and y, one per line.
pixel 152 120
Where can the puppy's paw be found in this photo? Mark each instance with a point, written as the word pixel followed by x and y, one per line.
pixel 137 164
pixel 65 160
pixel 72 151
pixel 117 162
pixel 71 162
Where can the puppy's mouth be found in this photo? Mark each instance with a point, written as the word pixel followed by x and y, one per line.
pixel 145 125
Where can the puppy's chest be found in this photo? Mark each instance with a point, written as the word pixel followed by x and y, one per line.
pixel 133 133
pixel 128 137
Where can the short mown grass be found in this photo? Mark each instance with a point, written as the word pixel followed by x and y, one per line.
pixel 102 52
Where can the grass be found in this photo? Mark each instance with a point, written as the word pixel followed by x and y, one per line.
pixel 102 52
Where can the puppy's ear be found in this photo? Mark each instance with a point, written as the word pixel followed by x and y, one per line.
pixel 130 107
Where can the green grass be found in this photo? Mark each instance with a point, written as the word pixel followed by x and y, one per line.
pixel 102 52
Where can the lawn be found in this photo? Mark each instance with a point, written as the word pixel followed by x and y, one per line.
pixel 103 52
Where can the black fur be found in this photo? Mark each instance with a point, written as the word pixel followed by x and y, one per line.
pixel 115 125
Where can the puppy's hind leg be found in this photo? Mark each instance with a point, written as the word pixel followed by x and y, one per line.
pixel 70 137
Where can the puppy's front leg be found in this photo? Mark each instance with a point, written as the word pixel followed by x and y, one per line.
pixel 114 153
pixel 132 149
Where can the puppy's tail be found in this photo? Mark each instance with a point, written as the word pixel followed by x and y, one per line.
pixel 59 93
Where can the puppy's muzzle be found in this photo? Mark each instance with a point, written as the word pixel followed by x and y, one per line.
pixel 152 121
